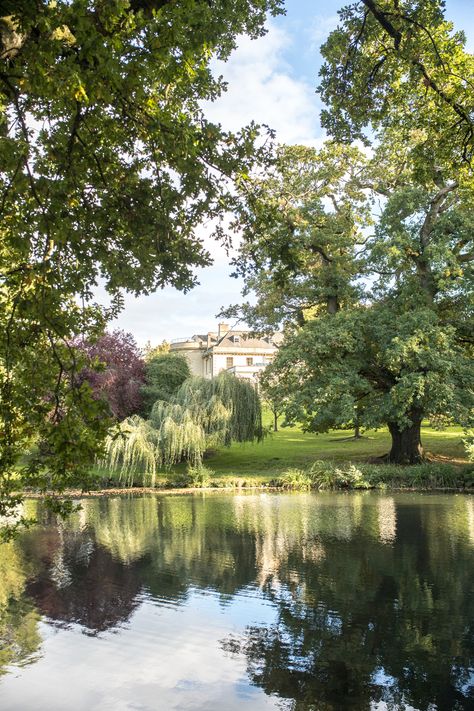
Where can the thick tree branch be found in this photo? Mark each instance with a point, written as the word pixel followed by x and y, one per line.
pixel 433 212
pixel 384 21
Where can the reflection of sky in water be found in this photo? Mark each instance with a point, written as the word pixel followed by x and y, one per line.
pixel 247 601
pixel 165 657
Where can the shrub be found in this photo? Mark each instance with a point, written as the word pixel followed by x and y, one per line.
pixel 469 445
pixel 164 375
pixel 116 373
pixel 198 477
pixel 295 479
pixel 427 475
pixel 327 476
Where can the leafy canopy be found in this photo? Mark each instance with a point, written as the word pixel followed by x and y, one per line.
pixel 203 414
pixel 399 63
pixel 108 167
pixel 301 224
pixel 118 374
pixel 386 333
pixel 164 374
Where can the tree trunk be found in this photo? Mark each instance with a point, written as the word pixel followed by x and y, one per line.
pixel 357 434
pixel 275 421
pixel 406 443
pixel 332 304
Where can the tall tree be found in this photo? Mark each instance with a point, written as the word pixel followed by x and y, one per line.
pixel 301 226
pixel 404 350
pixel 108 166
pixel 400 57
pixel 119 374
pixel 164 374
pixel 201 415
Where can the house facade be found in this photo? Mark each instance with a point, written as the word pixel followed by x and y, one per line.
pixel 226 349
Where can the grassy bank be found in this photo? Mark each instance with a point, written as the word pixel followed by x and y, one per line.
pixel 287 459
pixel 292 448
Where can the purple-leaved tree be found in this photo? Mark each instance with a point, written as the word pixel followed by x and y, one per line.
pixel 120 373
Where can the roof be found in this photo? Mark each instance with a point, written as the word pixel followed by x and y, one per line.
pixel 245 341
pixel 228 340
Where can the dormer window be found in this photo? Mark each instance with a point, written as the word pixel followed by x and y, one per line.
pixel 236 339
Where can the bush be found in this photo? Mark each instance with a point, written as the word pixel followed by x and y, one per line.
pixel 198 477
pixel 469 445
pixel 116 373
pixel 323 475
pixel 295 479
pixel 326 475
pixel 429 475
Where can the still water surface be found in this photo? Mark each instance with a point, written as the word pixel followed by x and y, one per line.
pixel 308 602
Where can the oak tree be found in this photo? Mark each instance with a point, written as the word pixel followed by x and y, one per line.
pixel 108 166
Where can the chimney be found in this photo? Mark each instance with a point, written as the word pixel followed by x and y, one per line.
pixel 222 329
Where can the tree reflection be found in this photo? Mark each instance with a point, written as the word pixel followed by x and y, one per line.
pixel 78 581
pixel 19 636
pixel 370 623
pixel 373 592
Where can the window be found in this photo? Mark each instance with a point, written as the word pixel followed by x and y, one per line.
pixel 236 339
pixel 249 361
pixel 229 362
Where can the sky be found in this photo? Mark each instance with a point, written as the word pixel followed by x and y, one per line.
pixel 271 80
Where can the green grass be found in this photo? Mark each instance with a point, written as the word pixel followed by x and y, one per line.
pixel 253 464
pixel 292 448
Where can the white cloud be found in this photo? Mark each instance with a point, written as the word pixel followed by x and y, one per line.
pixel 261 87
pixel 167 657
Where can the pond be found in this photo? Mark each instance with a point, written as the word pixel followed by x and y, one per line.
pixel 311 602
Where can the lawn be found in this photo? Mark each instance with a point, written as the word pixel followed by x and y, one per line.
pixel 290 447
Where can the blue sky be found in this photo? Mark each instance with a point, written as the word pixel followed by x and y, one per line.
pixel 271 80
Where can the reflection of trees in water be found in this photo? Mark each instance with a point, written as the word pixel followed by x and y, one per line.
pixel 79 582
pixel 368 589
pixel 371 622
pixel 19 636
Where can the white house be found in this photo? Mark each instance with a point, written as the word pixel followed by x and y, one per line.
pixel 228 350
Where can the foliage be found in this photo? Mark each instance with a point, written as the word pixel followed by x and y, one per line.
pixel 469 445
pixel 395 343
pixel 227 408
pixel 108 167
pixel 164 374
pixel 150 351
pixel 203 414
pixel 391 370
pixel 301 224
pixel 428 475
pixel 197 477
pixel 295 479
pixel 324 475
pixel 271 395
pixel 118 374
pixel 380 327
pixel 329 475
pixel 131 451
pixel 348 477
pixel 400 63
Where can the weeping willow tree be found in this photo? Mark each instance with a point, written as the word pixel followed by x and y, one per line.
pixel 202 415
